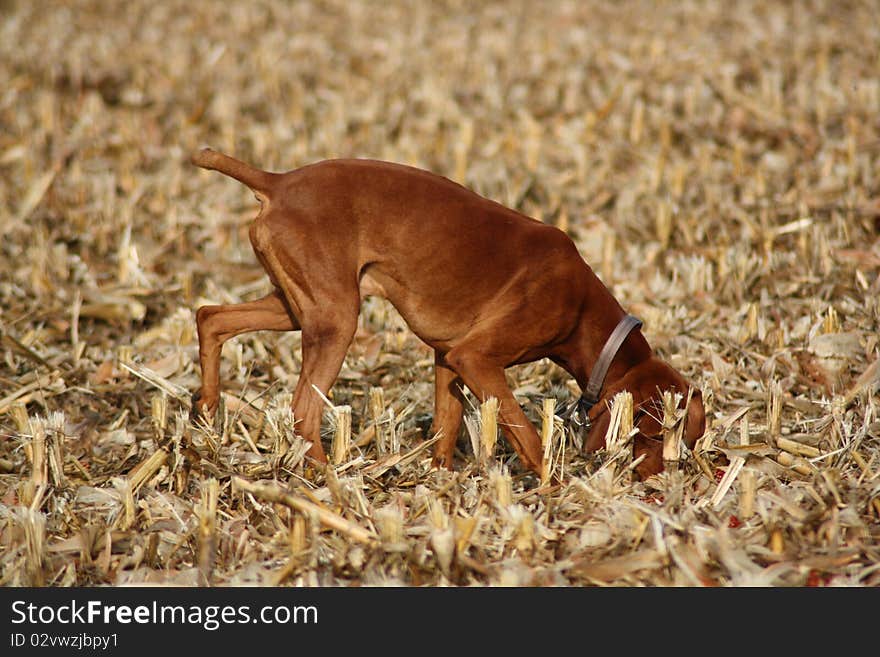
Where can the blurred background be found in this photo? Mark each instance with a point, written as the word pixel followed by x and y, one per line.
pixel 716 163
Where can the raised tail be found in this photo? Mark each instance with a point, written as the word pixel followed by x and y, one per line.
pixel 257 180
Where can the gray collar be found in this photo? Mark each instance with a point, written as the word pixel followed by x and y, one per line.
pixel 597 376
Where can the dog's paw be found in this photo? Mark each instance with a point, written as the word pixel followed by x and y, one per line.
pixel 442 462
pixel 199 409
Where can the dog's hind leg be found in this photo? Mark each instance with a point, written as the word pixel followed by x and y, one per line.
pixel 217 324
pixel 325 341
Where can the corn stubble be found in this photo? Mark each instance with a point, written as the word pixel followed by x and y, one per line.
pixel 722 178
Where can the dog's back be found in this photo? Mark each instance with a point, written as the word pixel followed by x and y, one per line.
pixel 446 257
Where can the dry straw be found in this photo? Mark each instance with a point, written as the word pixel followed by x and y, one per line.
pixel 714 164
pixel 341 444
pixel 488 430
pixel 547 433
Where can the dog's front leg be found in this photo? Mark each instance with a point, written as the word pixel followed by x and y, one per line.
pixel 448 409
pixel 486 379
pixel 217 324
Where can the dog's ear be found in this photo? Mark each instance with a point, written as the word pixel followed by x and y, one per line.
pixel 602 419
pixel 695 424
pixel 650 443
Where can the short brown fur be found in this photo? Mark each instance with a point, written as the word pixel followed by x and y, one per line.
pixel 485 286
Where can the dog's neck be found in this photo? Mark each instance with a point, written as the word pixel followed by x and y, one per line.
pixel 609 350
pixel 581 361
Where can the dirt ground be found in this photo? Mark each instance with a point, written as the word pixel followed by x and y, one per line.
pixel 717 164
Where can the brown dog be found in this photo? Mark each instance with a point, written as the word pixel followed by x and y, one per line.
pixel 484 285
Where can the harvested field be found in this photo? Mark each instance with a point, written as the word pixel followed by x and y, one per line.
pixel 718 164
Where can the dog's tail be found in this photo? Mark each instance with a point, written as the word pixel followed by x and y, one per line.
pixel 257 180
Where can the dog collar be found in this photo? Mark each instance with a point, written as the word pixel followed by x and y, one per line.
pixel 579 416
pixel 597 376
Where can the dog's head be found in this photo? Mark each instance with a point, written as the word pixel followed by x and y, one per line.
pixel 646 382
